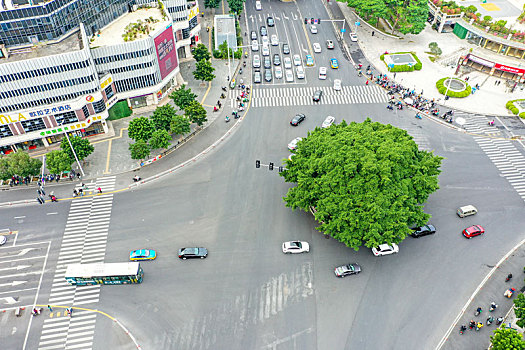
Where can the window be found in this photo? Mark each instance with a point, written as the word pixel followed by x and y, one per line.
pixel 5 131
pixel 33 124
pixel 99 106
pixel 66 118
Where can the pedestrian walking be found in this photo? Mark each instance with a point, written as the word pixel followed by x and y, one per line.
pixel 367 82
pixel 69 311
pixel 75 193
pixel 81 192
pixel 50 309
pixel 373 33
pixel 99 190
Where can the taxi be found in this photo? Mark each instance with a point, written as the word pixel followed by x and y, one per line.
pixel 142 254
pixel 309 60
pixel 333 63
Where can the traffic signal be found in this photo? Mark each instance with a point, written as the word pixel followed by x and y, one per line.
pixel 312 20
pixel 281 169
pixel 319 20
pixel 257 164
pixel 305 20
pixel 270 166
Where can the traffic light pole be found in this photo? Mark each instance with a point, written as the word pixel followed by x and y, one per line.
pixel 270 166
pixel 75 153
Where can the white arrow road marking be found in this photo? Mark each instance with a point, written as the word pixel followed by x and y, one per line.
pixel 284 16
pixel 25 251
pixel 19 267
pixel 22 274
pixel 12 284
pixel 294 17
pixel 9 300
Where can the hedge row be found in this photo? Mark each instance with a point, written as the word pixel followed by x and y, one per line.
pixel 405 67
pixel 515 110
pixel 440 85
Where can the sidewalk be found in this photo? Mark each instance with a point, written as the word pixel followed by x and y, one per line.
pixel 111 155
pixel 490 99
pixel 490 290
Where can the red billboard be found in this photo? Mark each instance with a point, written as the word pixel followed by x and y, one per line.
pixel 514 70
pixel 166 53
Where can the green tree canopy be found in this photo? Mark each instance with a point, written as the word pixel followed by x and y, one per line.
pixel 507 339
pixel 211 3
pixel 368 182
pixel 223 48
pixel 140 128
pixel 139 150
pixel 82 147
pixel 19 163
pixel 371 10
pixel 201 53
pixel 236 6
pixel 434 49
pixel 162 117
pixel 58 161
pixel 204 71
pixel 196 113
pixel 182 97
pixel 519 310
pixel 180 125
pixel 160 139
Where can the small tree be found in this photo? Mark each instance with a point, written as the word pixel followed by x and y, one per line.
pixel 211 3
pixel 182 97
pixel 196 113
pixel 81 146
pixel 162 117
pixel 225 51
pixel 58 161
pixel 140 128
pixel 5 172
pixel 507 339
pixel 179 125
pixel 201 53
pixel 236 6
pixel 434 48
pixel 519 309
pixel 21 164
pixel 139 149
pixel 204 71
pixel 160 139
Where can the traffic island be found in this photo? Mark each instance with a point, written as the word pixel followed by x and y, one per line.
pixel 401 61
pixel 453 87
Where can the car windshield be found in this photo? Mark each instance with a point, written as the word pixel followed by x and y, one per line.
pixel 295 244
pixel 190 251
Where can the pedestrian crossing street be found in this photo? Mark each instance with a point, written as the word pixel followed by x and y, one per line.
pixel 302 96
pixel 84 241
pixel 502 152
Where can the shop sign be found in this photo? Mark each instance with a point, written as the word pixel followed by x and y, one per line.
pixel 13 118
pixel 481 61
pixel 509 69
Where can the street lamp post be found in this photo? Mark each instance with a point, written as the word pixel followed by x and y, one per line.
pixel 74 153
pixel 446 91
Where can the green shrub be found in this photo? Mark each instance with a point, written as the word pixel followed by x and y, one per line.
pixel 440 85
pixel 217 54
pixel 119 110
pixel 405 67
pixel 522 115
pixel 509 104
pixel 514 110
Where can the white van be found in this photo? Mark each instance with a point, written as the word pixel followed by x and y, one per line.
pixel 466 211
pixel 300 72
pixel 258 5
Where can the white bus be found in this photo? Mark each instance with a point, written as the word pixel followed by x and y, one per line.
pixel 101 273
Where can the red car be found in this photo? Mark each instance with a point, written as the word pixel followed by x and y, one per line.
pixel 473 231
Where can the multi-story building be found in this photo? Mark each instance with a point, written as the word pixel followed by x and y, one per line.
pixel 58 76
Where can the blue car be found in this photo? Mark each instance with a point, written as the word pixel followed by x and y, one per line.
pixel 142 254
pixel 333 63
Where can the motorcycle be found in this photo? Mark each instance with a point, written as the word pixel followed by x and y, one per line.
pixel 490 320
pixel 418 116
pixel 462 329
pixel 227 119
pixel 509 277
pixel 449 120
pixel 493 307
pixel 224 88
pixel 244 64
pixel 223 96
pixel 499 320
pixel 235 114
pixel 240 70
pixel 215 109
pixel 478 311
pixel 491 123
pixel 390 107
pixel 471 325
pixel 136 178
pixel 478 326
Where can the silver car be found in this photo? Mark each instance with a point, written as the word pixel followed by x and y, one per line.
pixel 256 63
pixel 278 72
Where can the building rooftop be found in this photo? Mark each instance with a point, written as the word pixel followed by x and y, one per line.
pixel 225 31
pixel 16 4
pixel 69 44
pixel 134 25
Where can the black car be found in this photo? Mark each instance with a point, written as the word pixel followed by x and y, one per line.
pixel 276 60
pixel 263 31
pixel 270 21
pixel 257 77
pixel 267 62
pixel 193 253
pixel 423 231
pixel 317 95
pixel 286 49
pixel 346 270
pixel 268 75
pixel 254 35
pixel 297 119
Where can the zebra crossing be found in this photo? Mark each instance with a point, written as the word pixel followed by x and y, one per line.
pixel 302 96
pixel 84 241
pixel 477 124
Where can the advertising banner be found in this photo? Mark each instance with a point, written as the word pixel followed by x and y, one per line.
pixel 166 53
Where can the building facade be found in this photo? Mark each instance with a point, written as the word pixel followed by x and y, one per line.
pixel 68 82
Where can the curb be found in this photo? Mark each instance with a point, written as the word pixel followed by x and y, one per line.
pixel 480 286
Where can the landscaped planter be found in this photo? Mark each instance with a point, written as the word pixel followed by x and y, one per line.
pixel 456 87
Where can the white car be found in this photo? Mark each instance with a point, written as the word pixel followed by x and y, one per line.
pixel 322 73
pixel 289 75
pixel 299 71
pixel 328 122
pixel 275 41
pixel 317 48
pixel 255 45
pixel 385 249
pixel 353 37
pixel 3 240
pixel 337 84
pixel 258 6
pixel 296 60
pixel 256 61
pixel 313 29
pixel 278 70
pixel 293 144
pixel 265 41
pixel 287 63
pixel 265 51
pixel 295 247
